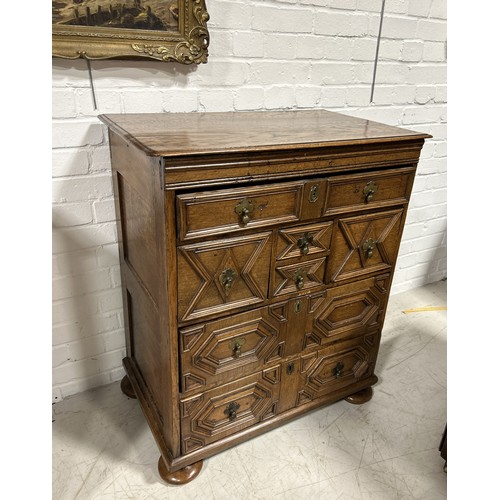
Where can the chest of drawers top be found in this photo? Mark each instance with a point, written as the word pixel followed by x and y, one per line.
pixel 200 149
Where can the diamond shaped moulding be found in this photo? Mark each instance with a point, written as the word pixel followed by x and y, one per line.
pixel 351 237
pixel 313 273
pixel 318 235
pixel 217 276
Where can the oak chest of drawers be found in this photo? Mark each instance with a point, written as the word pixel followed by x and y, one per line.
pixel 257 251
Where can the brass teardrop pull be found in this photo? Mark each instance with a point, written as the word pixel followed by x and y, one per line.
pixel 369 191
pixel 368 247
pixel 231 410
pixel 236 345
pixel 337 370
pixel 299 279
pixel 304 243
pixel 245 210
pixel 226 279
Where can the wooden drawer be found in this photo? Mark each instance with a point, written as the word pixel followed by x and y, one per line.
pixel 365 244
pixel 217 212
pixel 218 276
pixel 291 278
pixel 367 191
pixel 347 310
pixel 300 254
pixel 221 412
pixel 223 350
pixel 336 367
pixel 303 241
pixel 335 314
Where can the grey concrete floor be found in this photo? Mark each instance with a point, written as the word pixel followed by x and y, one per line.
pixel 385 449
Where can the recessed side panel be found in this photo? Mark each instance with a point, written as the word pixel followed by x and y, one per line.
pixel 144 338
pixel 139 236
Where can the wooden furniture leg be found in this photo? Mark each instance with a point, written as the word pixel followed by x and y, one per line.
pixel 358 398
pixel 181 476
pixel 127 388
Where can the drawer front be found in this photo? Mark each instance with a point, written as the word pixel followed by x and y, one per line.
pixel 368 191
pixel 221 412
pixel 347 310
pixel 290 278
pixel 220 351
pixel 303 242
pixel 365 244
pixel 339 313
pixel 335 367
pixel 217 212
pixel 218 276
pixel 300 255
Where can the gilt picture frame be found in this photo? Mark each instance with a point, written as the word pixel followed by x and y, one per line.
pixel 164 30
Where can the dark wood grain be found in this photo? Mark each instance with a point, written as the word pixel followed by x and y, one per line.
pixel 213 360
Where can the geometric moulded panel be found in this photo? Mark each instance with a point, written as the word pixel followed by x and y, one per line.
pixel 365 244
pixel 334 370
pixel 230 347
pixel 218 276
pixel 350 309
pixel 229 409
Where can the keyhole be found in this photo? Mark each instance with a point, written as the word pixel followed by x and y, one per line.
pixel 313 193
pixel 298 306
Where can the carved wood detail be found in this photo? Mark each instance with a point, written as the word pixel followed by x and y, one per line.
pixel 350 257
pixel 232 347
pixel 313 272
pixel 200 267
pixel 209 418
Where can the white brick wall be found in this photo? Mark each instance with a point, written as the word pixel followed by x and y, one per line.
pixel 263 55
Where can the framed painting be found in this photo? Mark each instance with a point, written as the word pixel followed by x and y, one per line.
pixel 165 30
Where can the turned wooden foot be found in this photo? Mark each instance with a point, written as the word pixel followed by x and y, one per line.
pixel 358 398
pixel 127 388
pixel 181 476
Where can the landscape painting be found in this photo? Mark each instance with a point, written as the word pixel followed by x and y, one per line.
pixel 133 14
pixel 166 30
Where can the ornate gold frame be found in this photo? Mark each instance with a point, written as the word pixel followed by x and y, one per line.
pixel 188 45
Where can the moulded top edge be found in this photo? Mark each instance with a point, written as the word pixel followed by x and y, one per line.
pixel 185 134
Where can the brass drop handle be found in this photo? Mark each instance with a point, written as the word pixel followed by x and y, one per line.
pixel 231 410
pixel 226 278
pixel 298 278
pixel 244 209
pixel 304 242
pixel 368 247
pixel 369 191
pixel 236 346
pixel 245 216
pixel 337 370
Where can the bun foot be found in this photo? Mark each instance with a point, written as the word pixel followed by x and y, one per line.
pixel 127 388
pixel 358 398
pixel 181 476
